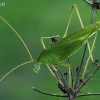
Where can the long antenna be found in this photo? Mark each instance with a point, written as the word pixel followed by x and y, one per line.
pixel 32 60
pixel 14 69
pixel 18 36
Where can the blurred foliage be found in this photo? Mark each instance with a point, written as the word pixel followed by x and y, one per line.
pixel 33 19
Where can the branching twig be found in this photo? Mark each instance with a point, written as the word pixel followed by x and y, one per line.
pixel 63 95
pixel 90 94
pixel 56 95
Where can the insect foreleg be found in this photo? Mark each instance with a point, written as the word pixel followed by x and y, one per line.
pixel 73 7
pixel 54 68
pixel 54 75
pixel 51 71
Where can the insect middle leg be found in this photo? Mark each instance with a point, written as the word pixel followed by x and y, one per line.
pixel 54 75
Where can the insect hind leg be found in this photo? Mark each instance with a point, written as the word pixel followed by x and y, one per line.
pixel 73 7
pixel 90 55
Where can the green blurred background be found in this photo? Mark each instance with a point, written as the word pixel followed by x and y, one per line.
pixel 33 19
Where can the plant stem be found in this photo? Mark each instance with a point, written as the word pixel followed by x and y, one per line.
pixel 71 97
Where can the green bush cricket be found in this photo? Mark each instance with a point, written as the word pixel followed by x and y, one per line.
pixel 62 49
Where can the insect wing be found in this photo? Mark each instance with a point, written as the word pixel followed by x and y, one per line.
pixel 67 46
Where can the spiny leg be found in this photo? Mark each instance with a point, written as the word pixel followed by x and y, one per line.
pixel 54 75
pixel 90 55
pixel 73 7
pixel 70 76
pixel 54 68
pixel 53 38
pixel 51 71
pixel 90 52
pixel 94 7
pixel 85 73
pixel 93 43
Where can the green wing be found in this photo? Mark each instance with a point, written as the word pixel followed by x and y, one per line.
pixel 67 46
